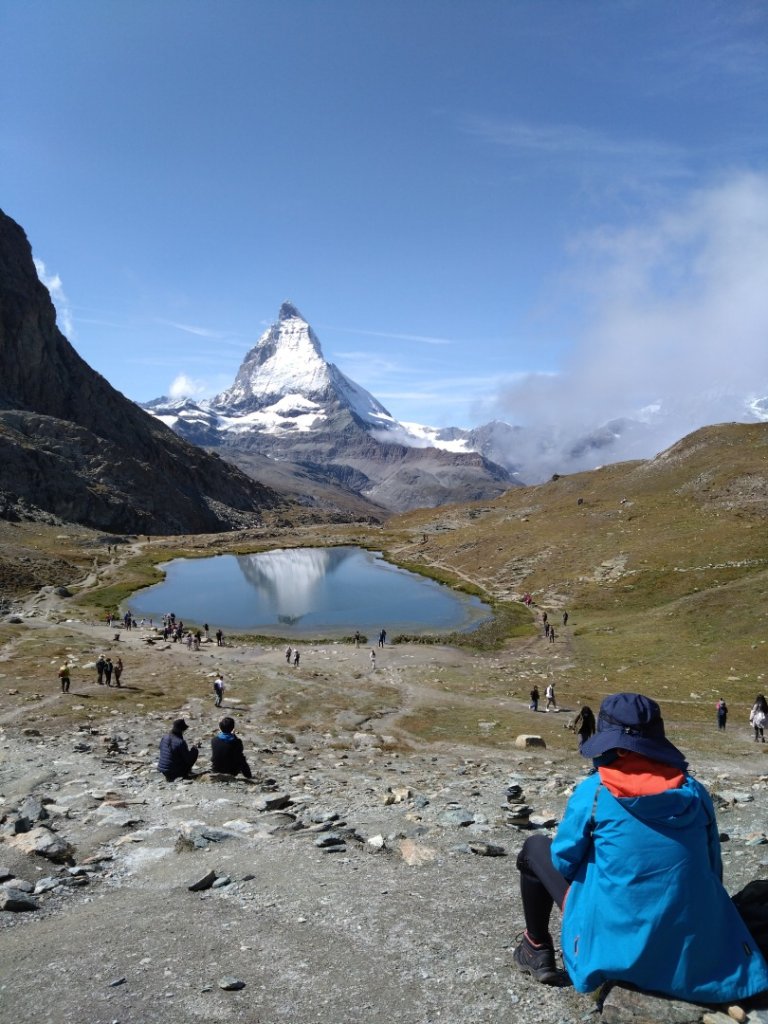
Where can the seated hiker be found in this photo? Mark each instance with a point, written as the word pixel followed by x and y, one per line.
pixel 176 758
pixel 227 754
pixel 636 867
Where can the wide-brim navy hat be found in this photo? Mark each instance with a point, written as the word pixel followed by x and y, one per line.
pixel 630 721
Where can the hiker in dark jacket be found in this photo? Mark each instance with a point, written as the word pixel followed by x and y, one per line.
pixel 176 758
pixel 227 754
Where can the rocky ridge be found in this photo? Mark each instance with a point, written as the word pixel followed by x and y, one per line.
pixel 73 448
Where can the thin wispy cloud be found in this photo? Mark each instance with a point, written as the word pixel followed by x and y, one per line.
pixel 424 339
pixel 199 332
pixel 63 310
pixel 574 144
pixel 184 386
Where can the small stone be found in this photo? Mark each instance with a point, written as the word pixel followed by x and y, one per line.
pixel 526 741
pixel 543 820
pixel 737 1013
pixel 21 884
pixel 329 839
pixel 116 982
pixel 376 843
pixel 221 881
pixel 230 984
pixel 487 849
pixel 273 802
pixel 414 854
pixel 456 816
pixel 206 882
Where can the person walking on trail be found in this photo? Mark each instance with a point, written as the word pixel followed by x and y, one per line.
pixel 227 756
pixel 108 667
pixel 219 638
pixel 637 853
pixel 288 653
pixel 218 690
pixel 535 698
pixel 176 758
pixel 551 634
pixel 64 677
pixel 722 714
pixel 100 664
pixel 757 717
pixel 547 628
pixel 373 660
pixel 549 693
pixel 296 657
pixel 382 637
pixel 585 725
pixel 565 618
pixel 357 638
pixel 118 670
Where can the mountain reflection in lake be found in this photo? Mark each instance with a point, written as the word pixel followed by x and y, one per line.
pixel 307 591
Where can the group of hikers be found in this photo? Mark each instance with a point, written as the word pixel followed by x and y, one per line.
pixel 177 759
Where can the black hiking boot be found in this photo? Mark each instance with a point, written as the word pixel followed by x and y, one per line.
pixel 539 962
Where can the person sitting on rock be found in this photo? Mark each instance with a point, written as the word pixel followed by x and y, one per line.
pixel 638 856
pixel 227 755
pixel 176 758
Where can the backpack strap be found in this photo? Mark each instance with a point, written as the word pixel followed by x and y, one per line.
pixel 592 823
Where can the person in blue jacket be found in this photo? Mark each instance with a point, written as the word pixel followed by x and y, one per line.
pixel 176 758
pixel 635 867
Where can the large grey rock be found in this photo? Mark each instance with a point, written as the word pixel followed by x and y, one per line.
pixel 16 901
pixel 44 843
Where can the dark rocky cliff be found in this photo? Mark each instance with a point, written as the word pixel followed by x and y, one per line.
pixel 73 446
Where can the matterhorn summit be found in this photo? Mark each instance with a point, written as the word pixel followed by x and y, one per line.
pixel 290 411
pixel 284 382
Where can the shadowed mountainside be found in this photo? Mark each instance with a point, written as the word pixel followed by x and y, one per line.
pixel 74 447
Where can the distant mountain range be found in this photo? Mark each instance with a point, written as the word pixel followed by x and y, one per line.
pixel 298 423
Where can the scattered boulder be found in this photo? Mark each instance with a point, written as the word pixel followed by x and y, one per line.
pixel 16 901
pixel 526 741
pixel 44 843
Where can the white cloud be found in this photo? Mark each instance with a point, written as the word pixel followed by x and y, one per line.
pixel 675 316
pixel 63 312
pixel 199 332
pixel 186 387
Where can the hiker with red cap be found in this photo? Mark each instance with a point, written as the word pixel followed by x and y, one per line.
pixel 636 868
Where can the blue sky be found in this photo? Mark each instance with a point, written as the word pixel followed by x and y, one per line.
pixel 518 209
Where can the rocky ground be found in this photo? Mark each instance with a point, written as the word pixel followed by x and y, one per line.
pixel 356 877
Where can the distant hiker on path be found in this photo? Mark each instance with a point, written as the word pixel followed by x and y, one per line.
pixel 757 717
pixel 118 671
pixel 219 638
pixel 373 660
pixel 551 634
pixel 296 656
pixel 357 638
pixel 108 671
pixel 100 664
pixel 549 693
pixel 218 690
pixel 585 724
pixel 535 698
pixel 638 853
pixel 176 758
pixel 565 618
pixel 722 714
pixel 288 653
pixel 382 637
pixel 64 678
pixel 227 754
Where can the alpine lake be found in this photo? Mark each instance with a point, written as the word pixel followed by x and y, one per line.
pixel 307 592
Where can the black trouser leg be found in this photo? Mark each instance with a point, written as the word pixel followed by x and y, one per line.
pixel 541 886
